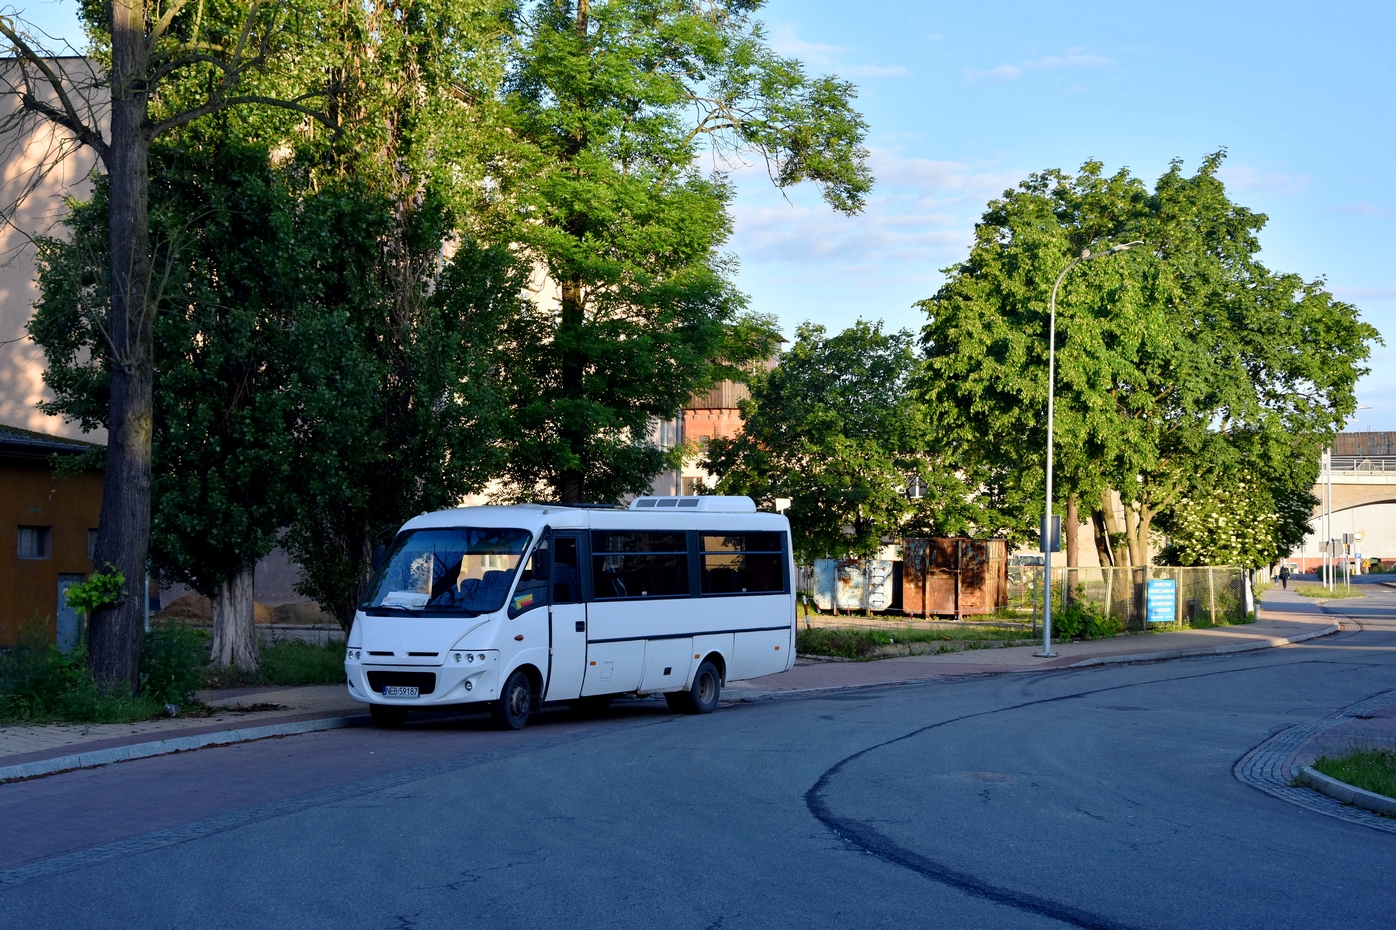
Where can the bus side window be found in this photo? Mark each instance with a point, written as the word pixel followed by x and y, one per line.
pixel 532 590
pixel 567 577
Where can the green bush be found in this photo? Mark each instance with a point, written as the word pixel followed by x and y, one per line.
pixel 173 662
pixel 1082 619
pixel 39 683
pixel 293 662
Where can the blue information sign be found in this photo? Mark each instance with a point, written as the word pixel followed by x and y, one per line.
pixel 1162 599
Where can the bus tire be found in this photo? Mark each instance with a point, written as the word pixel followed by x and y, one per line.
pixel 387 716
pixel 702 698
pixel 511 711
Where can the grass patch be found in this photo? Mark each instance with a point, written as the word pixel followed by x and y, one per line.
pixel 293 662
pixel 863 643
pixel 1369 769
pixel 1318 590
pixel 40 684
pixel 286 662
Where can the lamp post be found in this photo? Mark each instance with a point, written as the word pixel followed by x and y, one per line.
pixel 1046 535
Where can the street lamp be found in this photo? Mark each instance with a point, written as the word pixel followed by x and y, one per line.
pixel 1046 535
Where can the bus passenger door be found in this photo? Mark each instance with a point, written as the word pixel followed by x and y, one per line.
pixel 568 618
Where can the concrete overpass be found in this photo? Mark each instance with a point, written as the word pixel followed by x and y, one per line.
pixel 1364 501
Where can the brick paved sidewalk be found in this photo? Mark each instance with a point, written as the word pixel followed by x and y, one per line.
pixel 26 743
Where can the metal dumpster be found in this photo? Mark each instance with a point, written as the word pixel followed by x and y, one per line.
pixel 954 577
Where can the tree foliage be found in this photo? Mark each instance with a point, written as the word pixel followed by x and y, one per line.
pixel 608 106
pixel 1183 361
pixel 836 429
pixel 1229 526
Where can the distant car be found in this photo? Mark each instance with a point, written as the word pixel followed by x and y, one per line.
pixel 1025 559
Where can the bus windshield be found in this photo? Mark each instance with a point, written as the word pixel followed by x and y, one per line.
pixel 457 570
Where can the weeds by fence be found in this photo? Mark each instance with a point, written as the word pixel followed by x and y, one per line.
pixel 1207 595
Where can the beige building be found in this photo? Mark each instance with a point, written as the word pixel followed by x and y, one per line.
pixel 42 168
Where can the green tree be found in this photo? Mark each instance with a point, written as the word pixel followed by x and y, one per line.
pixel 1228 526
pixel 1183 361
pixel 836 429
pixel 320 366
pixel 608 106
pixel 140 51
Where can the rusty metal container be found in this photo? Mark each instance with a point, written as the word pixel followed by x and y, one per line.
pixel 954 577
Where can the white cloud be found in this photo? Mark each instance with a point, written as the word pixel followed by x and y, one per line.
pixel 876 71
pixel 1001 73
pixel 1246 178
pixel 785 41
pixel 1360 208
pixel 920 218
pixel 1071 58
pixel 1364 293
pixel 1074 57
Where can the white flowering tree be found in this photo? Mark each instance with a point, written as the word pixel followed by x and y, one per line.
pixel 1235 525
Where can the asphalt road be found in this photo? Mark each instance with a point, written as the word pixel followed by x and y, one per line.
pixel 1097 798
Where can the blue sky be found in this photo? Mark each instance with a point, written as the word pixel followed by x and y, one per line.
pixel 964 100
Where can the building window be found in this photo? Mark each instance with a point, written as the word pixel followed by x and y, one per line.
pixel 92 545
pixel 692 486
pixel 35 542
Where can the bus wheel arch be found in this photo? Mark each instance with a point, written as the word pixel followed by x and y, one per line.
pixel 703 695
pixel 719 663
pixel 519 696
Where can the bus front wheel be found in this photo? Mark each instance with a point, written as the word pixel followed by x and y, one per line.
pixel 511 710
pixel 702 698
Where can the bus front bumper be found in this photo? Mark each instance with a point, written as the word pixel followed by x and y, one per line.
pixel 455 682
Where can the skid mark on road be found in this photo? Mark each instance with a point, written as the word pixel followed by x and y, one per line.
pixel 862 836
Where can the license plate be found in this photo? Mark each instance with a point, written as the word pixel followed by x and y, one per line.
pixel 400 691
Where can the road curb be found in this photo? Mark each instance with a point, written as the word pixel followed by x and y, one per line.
pixel 740 695
pixel 1270 643
pixel 161 747
pixel 1348 794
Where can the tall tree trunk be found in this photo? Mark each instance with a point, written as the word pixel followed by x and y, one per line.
pixel 1138 517
pixel 1113 528
pixel 1121 577
pixel 124 533
pixel 571 479
pixel 1105 554
pixel 235 623
pixel 1073 556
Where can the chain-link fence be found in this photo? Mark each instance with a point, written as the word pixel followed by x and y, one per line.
pixel 1206 595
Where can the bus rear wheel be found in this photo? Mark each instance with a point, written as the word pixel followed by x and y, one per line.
pixel 385 715
pixel 702 698
pixel 511 710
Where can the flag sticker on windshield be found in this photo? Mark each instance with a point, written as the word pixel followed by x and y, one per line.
pixel 522 601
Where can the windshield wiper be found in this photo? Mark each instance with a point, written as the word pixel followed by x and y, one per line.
pixel 408 610
pixel 458 611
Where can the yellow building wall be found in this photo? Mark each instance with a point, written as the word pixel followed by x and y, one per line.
pixel 30 495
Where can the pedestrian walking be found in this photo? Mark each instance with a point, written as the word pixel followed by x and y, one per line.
pixel 1284 577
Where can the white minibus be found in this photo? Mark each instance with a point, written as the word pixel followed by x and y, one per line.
pixel 514 607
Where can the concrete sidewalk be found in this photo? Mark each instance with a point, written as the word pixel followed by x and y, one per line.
pixel 1284 618
pixel 28 751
